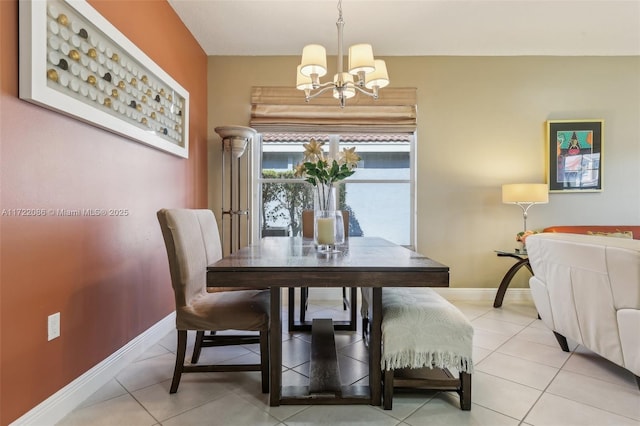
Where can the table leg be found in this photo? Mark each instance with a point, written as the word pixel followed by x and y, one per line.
pixel 354 308
pixel 375 348
pixel 275 349
pixel 292 307
pixel 507 280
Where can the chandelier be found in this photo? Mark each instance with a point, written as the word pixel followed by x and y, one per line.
pixel 370 73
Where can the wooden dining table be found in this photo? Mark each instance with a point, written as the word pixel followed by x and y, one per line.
pixel 281 262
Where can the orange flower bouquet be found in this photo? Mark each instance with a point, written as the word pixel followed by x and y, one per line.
pixel 522 236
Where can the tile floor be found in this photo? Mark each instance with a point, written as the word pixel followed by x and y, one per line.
pixel 521 378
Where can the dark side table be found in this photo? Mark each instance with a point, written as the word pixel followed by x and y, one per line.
pixel 523 260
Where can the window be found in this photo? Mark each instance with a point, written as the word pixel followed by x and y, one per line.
pixel 380 196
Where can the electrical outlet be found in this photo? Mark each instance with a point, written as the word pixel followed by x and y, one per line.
pixel 53 326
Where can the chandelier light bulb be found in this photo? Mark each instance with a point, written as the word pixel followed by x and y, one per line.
pixel 302 81
pixel 378 77
pixel 344 87
pixel 314 60
pixel 361 59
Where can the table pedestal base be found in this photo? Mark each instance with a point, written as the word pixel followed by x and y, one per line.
pixel 324 390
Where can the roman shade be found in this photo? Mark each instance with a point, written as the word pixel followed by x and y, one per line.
pixel 284 109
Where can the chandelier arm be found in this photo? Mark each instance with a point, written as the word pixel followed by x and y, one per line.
pixel 330 85
pixel 327 86
pixel 373 94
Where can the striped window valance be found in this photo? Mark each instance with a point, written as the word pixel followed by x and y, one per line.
pixel 276 109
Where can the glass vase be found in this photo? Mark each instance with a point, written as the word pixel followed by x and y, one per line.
pixel 324 198
pixel 328 230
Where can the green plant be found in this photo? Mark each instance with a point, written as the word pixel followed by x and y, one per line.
pixel 283 201
pixel 322 172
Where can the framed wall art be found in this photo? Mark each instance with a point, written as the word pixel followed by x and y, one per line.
pixel 74 61
pixel 575 155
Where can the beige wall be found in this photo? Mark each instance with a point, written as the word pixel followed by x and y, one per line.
pixel 480 124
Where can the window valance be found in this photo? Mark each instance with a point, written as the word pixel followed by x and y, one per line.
pixel 285 109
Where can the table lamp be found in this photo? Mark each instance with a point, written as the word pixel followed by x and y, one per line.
pixel 525 195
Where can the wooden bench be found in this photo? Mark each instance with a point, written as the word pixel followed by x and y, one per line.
pixel 424 339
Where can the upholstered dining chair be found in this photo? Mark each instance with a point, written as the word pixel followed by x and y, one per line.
pixel 192 241
pixel 307 232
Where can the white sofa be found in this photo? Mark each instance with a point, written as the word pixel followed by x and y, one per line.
pixel 587 288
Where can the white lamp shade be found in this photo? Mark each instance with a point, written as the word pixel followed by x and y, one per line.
pixel 526 193
pixel 378 77
pixel 302 81
pixel 361 58
pixel 348 91
pixel 314 60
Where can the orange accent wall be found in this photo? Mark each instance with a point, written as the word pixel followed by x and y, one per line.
pixel 107 276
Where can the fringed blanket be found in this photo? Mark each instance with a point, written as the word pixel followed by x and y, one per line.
pixel 420 328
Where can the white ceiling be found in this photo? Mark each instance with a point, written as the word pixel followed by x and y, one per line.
pixel 418 27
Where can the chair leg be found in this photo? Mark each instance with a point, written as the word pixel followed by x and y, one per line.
pixel 345 302
pixel 177 371
pixel 388 389
pixel 292 307
pixel 264 360
pixel 304 297
pixel 465 391
pixel 365 329
pixel 562 341
pixel 197 347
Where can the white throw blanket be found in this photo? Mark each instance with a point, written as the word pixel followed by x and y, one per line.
pixel 420 328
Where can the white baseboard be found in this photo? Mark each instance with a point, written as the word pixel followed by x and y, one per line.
pixel 58 405
pixel 61 403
